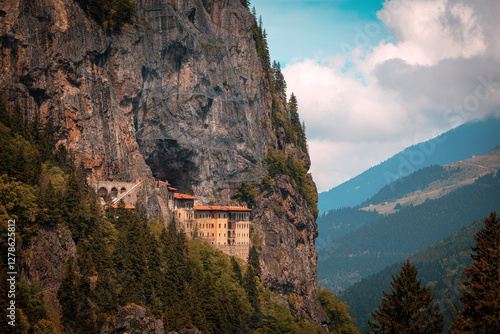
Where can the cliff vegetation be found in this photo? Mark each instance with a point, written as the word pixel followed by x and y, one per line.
pixel 122 260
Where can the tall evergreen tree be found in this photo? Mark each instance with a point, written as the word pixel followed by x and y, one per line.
pixel 50 211
pixel 293 108
pixel 253 260
pixel 250 284
pixel 177 274
pixel 19 166
pixel 481 294
pixel 245 3
pixel 279 79
pixel 408 308
pixel 47 143
pixel 236 270
pixel 68 294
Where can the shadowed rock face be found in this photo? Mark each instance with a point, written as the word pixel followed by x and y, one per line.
pixel 45 258
pixel 181 95
pixel 133 319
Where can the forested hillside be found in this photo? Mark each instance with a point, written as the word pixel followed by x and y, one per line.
pixel 395 237
pixel 337 223
pixel 413 182
pixel 440 266
pixel 113 258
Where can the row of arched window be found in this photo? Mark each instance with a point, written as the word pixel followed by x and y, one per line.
pixel 103 192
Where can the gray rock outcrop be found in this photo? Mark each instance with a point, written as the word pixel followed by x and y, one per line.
pixel 180 95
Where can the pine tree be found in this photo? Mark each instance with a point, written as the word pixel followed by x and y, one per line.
pixel 245 3
pixel 236 270
pixel 293 107
pixel 279 79
pixel 35 129
pixel 481 294
pixel 408 308
pixel 250 284
pixel 50 211
pixel 253 260
pixel 68 294
pixel 177 276
pixel 19 164
pixel 47 143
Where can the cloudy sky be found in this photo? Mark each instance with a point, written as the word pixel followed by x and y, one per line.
pixel 373 77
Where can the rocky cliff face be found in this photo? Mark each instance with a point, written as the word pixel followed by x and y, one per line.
pixel 45 259
pixel 181 95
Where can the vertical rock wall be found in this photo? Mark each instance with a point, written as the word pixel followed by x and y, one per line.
pixel 180 95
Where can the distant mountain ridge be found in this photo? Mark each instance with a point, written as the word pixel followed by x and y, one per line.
pixel 428 183
pixel 473 138
pixel 396 237
pixel 375 243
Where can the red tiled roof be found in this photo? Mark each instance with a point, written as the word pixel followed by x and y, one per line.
pixel 236 208
pixel 163 182
pixel 207 208
pixel 122 207
pixel 172 188
pixel 183 196
pixel 221 208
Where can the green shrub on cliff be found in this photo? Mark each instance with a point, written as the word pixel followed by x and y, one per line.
pixel 110 14
pixel 337 311
pixel 247 193
pixel 296 170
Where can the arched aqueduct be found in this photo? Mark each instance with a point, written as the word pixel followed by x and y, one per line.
pixel 117 189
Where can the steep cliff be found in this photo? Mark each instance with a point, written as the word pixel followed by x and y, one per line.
pixel 180 94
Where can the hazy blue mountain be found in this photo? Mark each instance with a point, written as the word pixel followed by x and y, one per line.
pixel 474 138
pixel 392 238
pixel 339 222
pixel 428 183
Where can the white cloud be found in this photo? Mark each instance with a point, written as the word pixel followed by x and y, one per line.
pixel 431 30
pixel 345 159
pixel 398 93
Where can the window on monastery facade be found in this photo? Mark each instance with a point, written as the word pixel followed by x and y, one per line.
pixel 102 192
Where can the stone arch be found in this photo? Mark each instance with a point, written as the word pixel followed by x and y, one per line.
pixel 114 192
pixel 102 192
pixel 123 190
